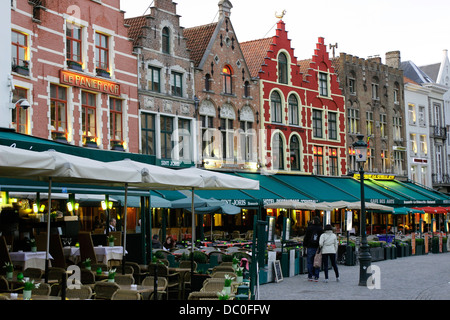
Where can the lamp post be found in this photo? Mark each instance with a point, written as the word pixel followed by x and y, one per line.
pixel 364 257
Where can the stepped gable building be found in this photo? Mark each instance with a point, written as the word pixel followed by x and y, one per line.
pixel 302 107
pixel 228 101
pixel 166 85
pixel 73 62
pixel 374 104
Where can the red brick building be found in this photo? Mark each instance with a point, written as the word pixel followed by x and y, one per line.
pixel 73 62
pixel 302 107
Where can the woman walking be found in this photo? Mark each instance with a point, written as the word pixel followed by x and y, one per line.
pixel 329 246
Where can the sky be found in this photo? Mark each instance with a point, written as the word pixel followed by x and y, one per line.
pixel 419 29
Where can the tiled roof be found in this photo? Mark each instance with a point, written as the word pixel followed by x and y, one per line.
pixel 254 53
pixel 135 30
pixel 408 80
pixel 198 39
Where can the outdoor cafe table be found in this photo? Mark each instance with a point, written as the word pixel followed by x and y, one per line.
pixel 103 253
pixel 33 297
pixel 29 259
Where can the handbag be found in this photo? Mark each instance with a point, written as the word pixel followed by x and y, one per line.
pixel 318 259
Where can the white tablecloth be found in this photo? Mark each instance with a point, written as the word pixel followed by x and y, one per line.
pixel 104 254
pixel 28 259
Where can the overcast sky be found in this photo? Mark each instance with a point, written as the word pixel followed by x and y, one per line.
pixel 419 29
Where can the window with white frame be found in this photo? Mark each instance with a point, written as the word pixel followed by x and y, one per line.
pixel 369 123
pixel 375 95
pixel 184 139
pixel 154 79
pixel 398 162
pixel 275 107
pixel 353 120
pixel 413 143
pixel 412 114
pixel 332 126
pixel 421 116
pixel 383 125
pixel 293 110
pixel 317 124
pixel 323 84
pixel 397 124
pixel 423 145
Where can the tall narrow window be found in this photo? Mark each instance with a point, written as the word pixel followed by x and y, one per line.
pixel 318 160
pixel 73 42
pixel 115 121
pixel 166 40
pixel 166 124
pixel 207 135
pixel 148 133
pixel 154 79
pixel 383 125
pixel 293 110
pixel 282 69
pixel 294 148
pixel 101 51
pixel 247 135
pixel 397 123
pixel 58 111
pixel 226 128
pixel 332 126
pixel 207 82
pixel 334 166
pixel 246 89
pixel 19 115
pixel 177 84
pixel 227 80
pixel 184 139
pixel 317 124
pixel 275 103
pixel 375 95
pixel 369 123
pixel 352 120
pixel 19 49
pixel 88 120
pixel 277 152
pixel 323 84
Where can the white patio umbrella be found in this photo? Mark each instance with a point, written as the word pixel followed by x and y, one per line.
pixel 15 162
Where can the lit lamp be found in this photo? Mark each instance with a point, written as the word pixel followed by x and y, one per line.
pixel 364 257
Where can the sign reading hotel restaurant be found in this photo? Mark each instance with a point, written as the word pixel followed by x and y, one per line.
pixel 90 83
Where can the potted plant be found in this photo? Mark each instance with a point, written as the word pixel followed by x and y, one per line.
pixel 74 65
pixel 28 286
pixel 235 263
pixel 222 295
pixel 111 241
pixel 87 263
pixel 240 274
pixel 102 73
pixel 33 245
pixel 227 284
pixel 111 275
pixel 9 270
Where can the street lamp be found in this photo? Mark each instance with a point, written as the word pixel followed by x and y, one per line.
pixel 364 256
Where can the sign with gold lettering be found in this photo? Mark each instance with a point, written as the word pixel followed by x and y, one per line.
pixel 89 83
pixel 374 176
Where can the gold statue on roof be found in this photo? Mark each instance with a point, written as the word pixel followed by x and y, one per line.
pixel 280 16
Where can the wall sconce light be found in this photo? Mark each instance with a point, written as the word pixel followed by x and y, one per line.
pixel 103 205
pixel 35 208
pixel 42 208
pixel 70 206
pixel 77 206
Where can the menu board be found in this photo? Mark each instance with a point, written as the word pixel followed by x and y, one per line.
pixel 277 270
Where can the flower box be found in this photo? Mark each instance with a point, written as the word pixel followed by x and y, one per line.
pixel 74 65
pixel 377 253
pixel 103 73
pixel 21 70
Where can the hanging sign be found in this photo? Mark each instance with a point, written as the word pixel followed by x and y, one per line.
pixel 349 221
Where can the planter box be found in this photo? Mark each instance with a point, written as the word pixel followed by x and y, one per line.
pixel 350 256
pixel 21 70
pixel 74 65
pixel 387 254
pixel 420 249
pixel 377 253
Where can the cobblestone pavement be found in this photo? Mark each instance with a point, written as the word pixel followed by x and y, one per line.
pixel 423 277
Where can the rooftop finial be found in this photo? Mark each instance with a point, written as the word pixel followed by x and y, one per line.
pixel 280 16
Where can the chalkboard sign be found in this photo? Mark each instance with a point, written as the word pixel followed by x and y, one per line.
pixel 277 269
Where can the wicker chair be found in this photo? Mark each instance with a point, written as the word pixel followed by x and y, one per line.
pixel 84 292
pixel 212 286
pixel 149 281
pixel 2 297
pixel 223 269
pixel 4 284
pixel 87 277
pixel 123 294
pixel 43 289
pixel 128 269
pixel 221 274
pixel 197 295
pixel 187 264
pixel 173 279
pixel 137 272
pixel 55 273
pixel 33 273
pixel 126 279
pixel 105 290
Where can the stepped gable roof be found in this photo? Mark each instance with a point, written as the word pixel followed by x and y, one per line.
pixel 254 53
pixel 136 24
pixel 198 39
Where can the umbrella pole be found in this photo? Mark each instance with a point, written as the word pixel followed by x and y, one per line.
pixel 125 229
pixel 193 232
pixel 47 260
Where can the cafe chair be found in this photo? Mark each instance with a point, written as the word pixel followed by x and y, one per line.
pixel 138 274
pixel 187 264
pixel 82 292
pixel 124 279
pixel 128 269
pixel 41 241
pixel 4 254
pixel 2 297
pixel 43 289
pixel 224 269
pixel 173 279
pixel 87 250
pixel 33 273
pixel 87 277
pixel 123 294
pixel 57 252
pixel 55 273
pixel 149 281
pixel 105 290
pixel 212 286
pixel 4 285
pixel 117 237
pixel 221 274
pixel 197 295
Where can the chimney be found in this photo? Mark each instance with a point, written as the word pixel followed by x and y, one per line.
pixel 224 9
pixel 393 59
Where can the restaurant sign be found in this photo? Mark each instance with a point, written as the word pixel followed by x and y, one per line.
pixel 89 83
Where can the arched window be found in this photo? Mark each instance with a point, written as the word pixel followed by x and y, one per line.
pixel 246 89
pixel 294 148
pixel 227 80
pixel 293 110
pixel 275 105
pixel 282 69
pixel 166 40
pixel 277 152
